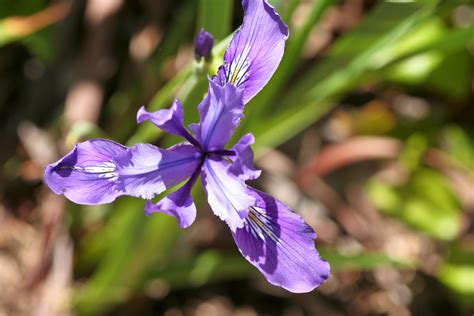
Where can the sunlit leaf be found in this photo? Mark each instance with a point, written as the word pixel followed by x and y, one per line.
pixel 457 271
pixel 460 146
pixel 361 261
pixel 215 16
pixel 425 202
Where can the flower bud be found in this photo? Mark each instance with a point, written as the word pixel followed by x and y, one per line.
pixel 203 45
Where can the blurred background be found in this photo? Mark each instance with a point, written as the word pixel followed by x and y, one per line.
pixel 366 130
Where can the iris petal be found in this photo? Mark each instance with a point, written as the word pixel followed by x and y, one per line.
pixel 98 171
pixel 220 113
pixel 256 49
pixel 146 170
pixel 242 165
pixel 179 204
pixel 87 174
pixel 227 195
pixel 170 120
pixel 281 245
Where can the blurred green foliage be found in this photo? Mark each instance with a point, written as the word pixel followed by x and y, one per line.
pixel 458 271
pixel 425 201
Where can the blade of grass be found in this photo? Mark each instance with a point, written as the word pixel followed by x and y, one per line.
pixel 174 36
pixel 361 261
pixel 215 16
pixel 14 28
pixel 292 55
pixel 290 8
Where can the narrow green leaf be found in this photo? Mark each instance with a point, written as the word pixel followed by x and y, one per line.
pixel 457 271
pixel 208 266
pixel 215 16
pixel 289 9
pixel 175 35
pixel 360 261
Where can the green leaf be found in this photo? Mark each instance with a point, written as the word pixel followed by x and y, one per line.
pixel 81 131
pixel 413 152
pixel 460 146
pixel 289 9
pixel 458 277
pixel 429 55
pixel 147 132
pixel 457 66
pixel 208 266
pixel 457 271
pixel 215 16
pixel 361 261
pixel 175 36
pixel 425 202
pixel 26 20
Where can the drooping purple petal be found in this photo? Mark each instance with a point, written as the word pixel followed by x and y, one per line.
pixel 146 170
pixel 179 204
pixel 256 49
pixel 203 45
pixel 170 120
pixel 281 245
pixel 220 113
pixel 242 165
pixel 88 173
pixel 98 171
pixel 227 195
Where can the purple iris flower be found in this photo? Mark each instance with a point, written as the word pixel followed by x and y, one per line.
pixel 203 45
pixel 267 232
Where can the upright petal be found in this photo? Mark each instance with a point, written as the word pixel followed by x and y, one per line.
pixel 179 204
pixel 281 245
pixel 88 173
pixel 170 120
pixel 146 170
pixel 256 49
pixel 228 196
pixel 220 113
pixel 99 170
pixel 242 165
